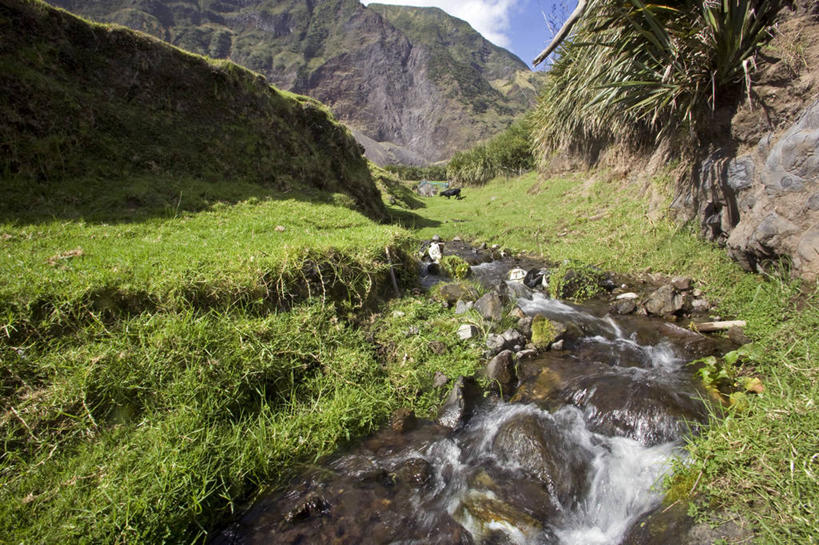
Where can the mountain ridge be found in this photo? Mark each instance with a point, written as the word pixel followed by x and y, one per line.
pixel 395 75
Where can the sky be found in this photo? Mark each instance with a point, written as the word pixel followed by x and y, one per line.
pixel 524 27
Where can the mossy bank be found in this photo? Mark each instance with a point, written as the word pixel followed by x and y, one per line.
pixel 100 122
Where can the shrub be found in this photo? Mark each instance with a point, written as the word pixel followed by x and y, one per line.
pixel 455 267
pixel 416 173
pixel 508 154
pixel 576 281
pixel 644 70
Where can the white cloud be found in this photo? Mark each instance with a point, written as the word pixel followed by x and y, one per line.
pixel 489 17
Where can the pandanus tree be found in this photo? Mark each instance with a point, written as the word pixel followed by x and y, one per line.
pixel 628 67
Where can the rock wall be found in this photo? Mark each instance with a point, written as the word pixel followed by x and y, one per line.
pixel 764 205
pixel 757 192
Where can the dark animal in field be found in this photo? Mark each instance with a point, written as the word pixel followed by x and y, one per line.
pixel 454 192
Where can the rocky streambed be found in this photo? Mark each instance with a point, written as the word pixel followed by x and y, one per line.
pixel 584 412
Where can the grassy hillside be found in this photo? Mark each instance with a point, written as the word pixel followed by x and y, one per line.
pixel 185 252
pixel 103 123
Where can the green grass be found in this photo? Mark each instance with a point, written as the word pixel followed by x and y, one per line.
pixel 156 374
pixel 760 463
pixel 226 256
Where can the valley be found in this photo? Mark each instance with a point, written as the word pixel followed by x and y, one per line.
pixel 220 323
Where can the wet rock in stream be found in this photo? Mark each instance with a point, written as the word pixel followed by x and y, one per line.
pixel 501 370
pixel 619 405
pixel 461 403
pixel 536 447
pixel 673 526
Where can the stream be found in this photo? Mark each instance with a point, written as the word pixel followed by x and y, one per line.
pixel 574 456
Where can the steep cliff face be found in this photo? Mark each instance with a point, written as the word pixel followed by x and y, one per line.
pixel 415 83
pixel 113 108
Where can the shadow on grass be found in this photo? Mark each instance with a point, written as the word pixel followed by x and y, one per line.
pixel 140 197
pixel 409 220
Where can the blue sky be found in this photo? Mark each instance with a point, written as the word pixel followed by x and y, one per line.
pixel 521 26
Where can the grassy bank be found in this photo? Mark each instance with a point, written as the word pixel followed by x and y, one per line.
pixel 157 373
pixel 759 462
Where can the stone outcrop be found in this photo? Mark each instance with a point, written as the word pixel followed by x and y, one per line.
pixel 764 205
pixel 781 211
pixel 757 192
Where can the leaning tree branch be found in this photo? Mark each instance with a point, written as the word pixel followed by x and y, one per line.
pixel 563 32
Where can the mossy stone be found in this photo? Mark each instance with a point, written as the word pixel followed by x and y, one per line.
pixel 576 281
pixel 545 331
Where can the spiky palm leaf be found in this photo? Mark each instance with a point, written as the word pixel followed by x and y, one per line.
pixel 634 67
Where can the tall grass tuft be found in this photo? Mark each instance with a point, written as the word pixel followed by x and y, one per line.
pixel 636 71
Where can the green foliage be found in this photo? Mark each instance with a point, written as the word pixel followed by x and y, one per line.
pixel 508 154
pixel 164 370
pixel 634 69
pixel 455 267
pixel 220 44
pixel 720 376
pixel 576 281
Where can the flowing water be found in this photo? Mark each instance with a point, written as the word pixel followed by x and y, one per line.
pixel 575 456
